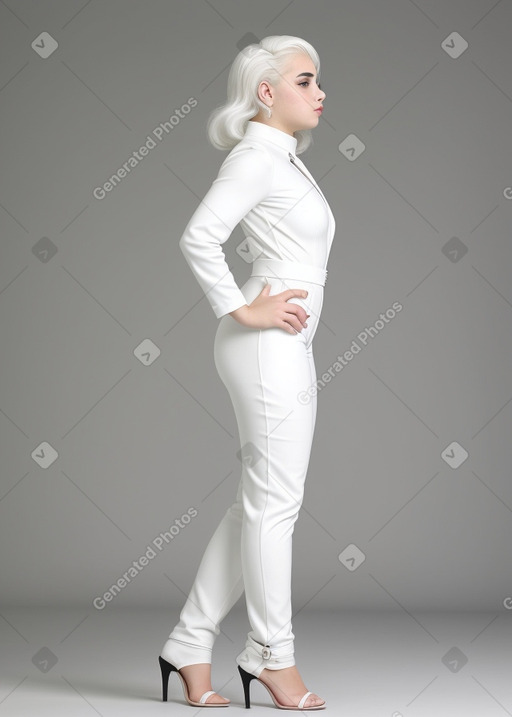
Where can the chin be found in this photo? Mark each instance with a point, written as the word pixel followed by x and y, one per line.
pixel 309 125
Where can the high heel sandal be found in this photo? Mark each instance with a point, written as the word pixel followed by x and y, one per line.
pixel 246 681
pixel 167 668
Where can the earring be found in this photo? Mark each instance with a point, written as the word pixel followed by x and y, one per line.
pixel 269 112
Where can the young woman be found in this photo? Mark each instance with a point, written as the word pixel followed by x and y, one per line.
pixel 263 354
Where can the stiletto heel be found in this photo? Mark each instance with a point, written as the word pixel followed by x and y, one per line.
pixel 166 669
pixel 246 681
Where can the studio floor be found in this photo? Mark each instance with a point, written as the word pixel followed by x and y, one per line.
pixel 82 662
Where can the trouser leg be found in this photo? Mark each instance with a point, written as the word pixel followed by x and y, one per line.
pixel 217 587
pixel 265 372
pixel 276 432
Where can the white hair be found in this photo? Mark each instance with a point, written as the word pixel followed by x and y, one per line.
pixel 263 61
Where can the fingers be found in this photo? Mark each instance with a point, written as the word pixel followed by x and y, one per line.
pixel 289 293
pixel 295 293
pixel 292 316
pixel 297 310
pixel 266 290
pixel 286 325
pixel 295 318
pixel 288 328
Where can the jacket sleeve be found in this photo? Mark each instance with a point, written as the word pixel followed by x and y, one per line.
pixel 244 179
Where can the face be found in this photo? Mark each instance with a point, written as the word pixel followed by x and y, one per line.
pixel 296 97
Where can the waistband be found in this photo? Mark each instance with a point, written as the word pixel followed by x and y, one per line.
pixel 286 269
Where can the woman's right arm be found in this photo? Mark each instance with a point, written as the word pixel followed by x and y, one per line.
pixel 243 181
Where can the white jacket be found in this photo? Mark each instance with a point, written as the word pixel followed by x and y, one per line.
pixel 262 185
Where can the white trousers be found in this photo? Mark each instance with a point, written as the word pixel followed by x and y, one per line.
pixel 270 376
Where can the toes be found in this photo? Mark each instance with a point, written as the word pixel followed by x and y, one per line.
pixel 216 699
pixel 314 700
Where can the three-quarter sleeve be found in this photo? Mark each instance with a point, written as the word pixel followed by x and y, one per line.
pixel 244 180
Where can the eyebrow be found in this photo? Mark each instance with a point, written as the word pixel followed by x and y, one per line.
pixel 308 74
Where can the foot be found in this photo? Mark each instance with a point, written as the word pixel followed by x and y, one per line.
pixel 288 687
pixel 198 679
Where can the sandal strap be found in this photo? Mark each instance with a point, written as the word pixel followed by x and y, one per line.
pixel 204 697
pixel 303 700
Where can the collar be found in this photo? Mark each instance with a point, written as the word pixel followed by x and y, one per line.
pixel 271 134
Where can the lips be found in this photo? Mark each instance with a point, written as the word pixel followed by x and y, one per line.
pixel 319 109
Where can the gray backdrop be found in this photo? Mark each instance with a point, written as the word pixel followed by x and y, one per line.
pixel 113 420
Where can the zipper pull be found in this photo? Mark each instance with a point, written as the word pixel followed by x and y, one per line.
pixel 292 160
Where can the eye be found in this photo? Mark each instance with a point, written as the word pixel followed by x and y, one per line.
pixel 306 82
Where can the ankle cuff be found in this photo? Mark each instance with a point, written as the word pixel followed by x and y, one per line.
pixel 256 657
pixel 181 654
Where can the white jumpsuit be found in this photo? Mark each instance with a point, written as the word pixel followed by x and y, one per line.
pixel 289 229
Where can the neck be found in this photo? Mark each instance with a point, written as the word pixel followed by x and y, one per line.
pixel 275 126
